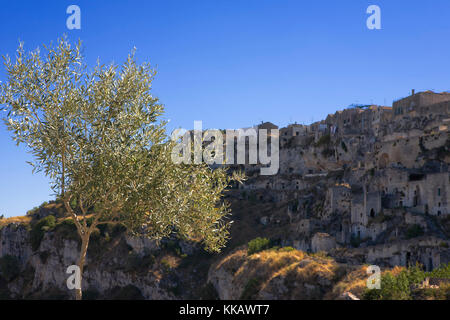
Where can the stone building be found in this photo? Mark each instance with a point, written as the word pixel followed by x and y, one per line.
pixel 418 192
pixel 417 101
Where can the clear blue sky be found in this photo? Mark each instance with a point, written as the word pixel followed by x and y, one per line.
pixel 236 63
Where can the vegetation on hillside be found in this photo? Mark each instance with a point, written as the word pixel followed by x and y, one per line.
pixel 405 284
pixel 287 273
pixel 281 273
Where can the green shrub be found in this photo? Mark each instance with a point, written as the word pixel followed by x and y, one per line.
pixel 32 211
pixel 9 267
pixel 166 265
pixel 323 140
pixel 66 229
pixel 414 231
pixel 399 287
pixel 174 247
pixel 39 229
pixel 442 272
pixel 258 245
pixel 36 209
pixel 392 288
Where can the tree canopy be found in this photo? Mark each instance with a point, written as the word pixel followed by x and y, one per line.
pixel 99 135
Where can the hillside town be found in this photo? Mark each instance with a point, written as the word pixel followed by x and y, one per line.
pixel 368 185
pixel 372 177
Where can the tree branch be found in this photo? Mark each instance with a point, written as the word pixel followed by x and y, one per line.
pixel 81 230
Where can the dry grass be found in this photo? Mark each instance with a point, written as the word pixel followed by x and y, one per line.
pixel 27 219
pixel 18 219
pixel 267 264
pixel 395 271
pixel 282 274
pixel 354 282
pixel 53 208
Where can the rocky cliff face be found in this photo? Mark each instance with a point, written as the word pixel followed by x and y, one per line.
pixel 119 266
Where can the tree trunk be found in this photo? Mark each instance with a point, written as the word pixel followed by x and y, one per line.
pixel 81 261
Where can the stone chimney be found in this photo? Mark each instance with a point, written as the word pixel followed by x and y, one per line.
pixel 413 92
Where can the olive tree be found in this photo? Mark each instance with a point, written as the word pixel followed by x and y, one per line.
pixel 98 135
